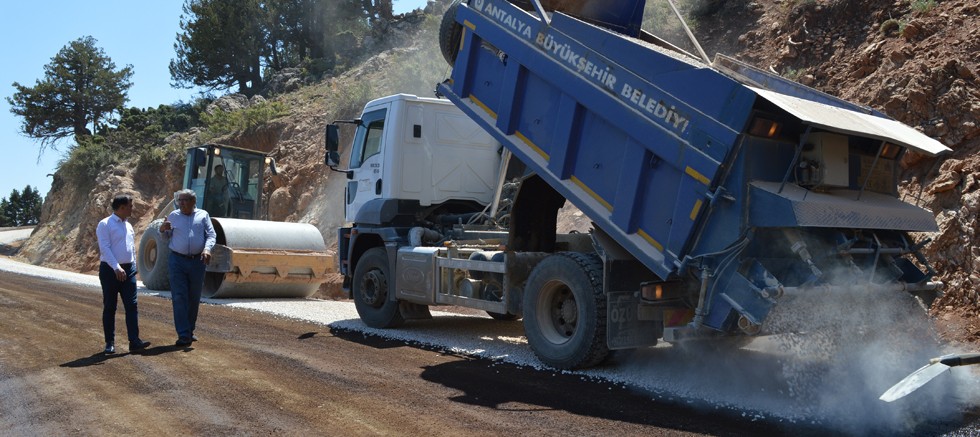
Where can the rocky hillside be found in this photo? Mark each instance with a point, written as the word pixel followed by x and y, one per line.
pixel 913 59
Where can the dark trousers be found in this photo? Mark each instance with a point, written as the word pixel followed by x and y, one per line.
pixel 112 287
pixel 186 282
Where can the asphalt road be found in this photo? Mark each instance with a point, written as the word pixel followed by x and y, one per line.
pixel 258 372
pixel 252 373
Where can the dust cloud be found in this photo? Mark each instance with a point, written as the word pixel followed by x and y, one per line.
pixel 842 350
pixel 834 355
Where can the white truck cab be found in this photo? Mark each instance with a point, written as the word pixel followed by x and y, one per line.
pixel 419 149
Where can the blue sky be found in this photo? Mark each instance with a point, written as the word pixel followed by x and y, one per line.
pixel 137 33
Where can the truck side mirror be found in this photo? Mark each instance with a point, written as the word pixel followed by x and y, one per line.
pixel 332 141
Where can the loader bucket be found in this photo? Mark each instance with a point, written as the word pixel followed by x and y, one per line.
pixel 254 258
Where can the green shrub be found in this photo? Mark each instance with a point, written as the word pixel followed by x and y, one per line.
pixel 890 25
pixel 86 162
pixel 154 156
pixel 318 67
pixel 221 122
pixel 923 5
pixel 794 74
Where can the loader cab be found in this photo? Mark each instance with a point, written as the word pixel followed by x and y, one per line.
pixel 227 180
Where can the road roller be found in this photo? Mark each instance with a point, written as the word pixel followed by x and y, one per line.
pixel 252 257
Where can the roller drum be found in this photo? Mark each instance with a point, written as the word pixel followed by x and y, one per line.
pixel 265 259
pixel 260 234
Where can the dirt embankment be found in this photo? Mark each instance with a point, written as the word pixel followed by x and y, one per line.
pixel 913 59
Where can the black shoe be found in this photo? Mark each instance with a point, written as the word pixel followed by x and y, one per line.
pixel 183 341
pixel 109 349
pixel 138 345
pixel 193 337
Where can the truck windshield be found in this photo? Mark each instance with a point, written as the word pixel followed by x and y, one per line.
pixel 367 141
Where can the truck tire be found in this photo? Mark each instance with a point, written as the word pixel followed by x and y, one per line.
pixel 152 259
pixel 371 289
pixel 565 311
pixel 449 33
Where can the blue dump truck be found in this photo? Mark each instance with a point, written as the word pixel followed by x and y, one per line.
pixel 715 189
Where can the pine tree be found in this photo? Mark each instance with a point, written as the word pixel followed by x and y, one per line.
pixel 30 206
pixel 5 221
pixel 22 208
pixel 222 45
pixel 81 89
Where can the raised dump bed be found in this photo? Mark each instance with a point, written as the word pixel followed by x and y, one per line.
pixel 698 171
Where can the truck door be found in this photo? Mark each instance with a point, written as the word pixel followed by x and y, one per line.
pixel 366 163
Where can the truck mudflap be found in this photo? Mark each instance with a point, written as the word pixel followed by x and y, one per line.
pixel 630 323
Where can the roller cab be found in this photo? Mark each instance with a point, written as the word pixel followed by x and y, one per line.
pixel 251 258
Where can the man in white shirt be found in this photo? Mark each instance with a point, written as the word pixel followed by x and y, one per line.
pixel 117 273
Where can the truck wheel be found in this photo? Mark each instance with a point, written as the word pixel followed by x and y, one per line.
pixel 371 290
pixel 152 260
pixel 565 311
pixel 449 33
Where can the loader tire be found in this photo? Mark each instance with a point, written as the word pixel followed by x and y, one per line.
pixel 152 262
pixel 565 311
pixel 450 33
pixel 372 289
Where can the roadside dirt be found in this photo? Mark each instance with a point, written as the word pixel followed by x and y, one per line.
pixel 255 374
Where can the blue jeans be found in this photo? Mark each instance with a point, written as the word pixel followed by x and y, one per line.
pixel 112 287
pixel 186 282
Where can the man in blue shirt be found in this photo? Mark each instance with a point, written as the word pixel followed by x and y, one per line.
pixel 117 273
pixel 191 239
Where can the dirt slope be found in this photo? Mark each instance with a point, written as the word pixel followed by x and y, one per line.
pixel 914 61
